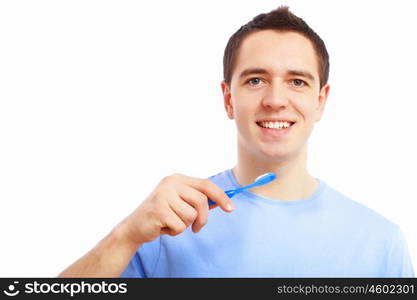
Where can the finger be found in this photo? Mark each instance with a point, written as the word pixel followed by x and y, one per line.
pixel 184 210
pixel 211 190
pixel 199 202
pixel 172 224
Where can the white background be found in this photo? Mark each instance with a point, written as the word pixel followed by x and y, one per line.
pixel 101 99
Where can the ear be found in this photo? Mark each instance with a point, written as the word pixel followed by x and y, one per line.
pixel 324 93
pixel 227 98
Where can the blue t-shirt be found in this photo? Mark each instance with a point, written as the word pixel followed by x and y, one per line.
pixel 324 235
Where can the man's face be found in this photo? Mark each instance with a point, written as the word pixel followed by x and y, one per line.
pixel 275 80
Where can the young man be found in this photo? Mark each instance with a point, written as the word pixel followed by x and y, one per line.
pixel 275 88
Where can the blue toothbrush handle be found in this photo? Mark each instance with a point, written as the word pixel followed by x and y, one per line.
pixel 211 202
pixel 261 180
pixel 229 193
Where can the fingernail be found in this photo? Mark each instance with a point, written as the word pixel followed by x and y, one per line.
pixel 230 206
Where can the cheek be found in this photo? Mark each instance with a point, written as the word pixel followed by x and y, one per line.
pixel 306 107
pixel 246 102
pixel 244 116
pixel 243 107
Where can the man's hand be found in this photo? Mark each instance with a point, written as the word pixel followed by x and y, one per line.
pixel 177 202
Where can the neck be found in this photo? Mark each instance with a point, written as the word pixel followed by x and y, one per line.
pixel 293 180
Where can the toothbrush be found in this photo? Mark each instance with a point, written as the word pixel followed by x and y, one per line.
pixel 261 180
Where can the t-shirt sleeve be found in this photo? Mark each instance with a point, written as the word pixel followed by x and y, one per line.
pixel 144 261
pixel 399 261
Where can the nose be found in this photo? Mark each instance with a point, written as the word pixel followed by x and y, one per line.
pixel 276 96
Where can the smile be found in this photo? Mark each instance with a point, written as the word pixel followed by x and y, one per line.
pixel 275 125
pixel 275 129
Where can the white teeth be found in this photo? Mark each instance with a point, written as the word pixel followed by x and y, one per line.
pixel 277 125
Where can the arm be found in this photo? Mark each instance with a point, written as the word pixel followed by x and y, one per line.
pixel 107 259
pixel 176 203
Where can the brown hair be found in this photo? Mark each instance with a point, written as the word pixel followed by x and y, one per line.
pixel 279 19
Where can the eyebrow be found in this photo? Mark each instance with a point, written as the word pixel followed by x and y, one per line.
pixel 304 74
pixel 251 71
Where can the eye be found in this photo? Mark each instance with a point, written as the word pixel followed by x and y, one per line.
pixel 254 81
pixel 298 82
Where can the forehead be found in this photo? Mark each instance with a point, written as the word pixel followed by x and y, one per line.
pixel 277 52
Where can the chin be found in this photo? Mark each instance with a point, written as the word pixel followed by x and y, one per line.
pixel 275 154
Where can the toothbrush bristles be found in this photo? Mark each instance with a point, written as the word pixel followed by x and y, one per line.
pixel 259 177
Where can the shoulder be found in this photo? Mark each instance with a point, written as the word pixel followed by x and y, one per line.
pixel 357 215
pixel 223 179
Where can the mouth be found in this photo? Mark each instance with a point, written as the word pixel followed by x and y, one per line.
pixel 276 128
pixel 277 125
